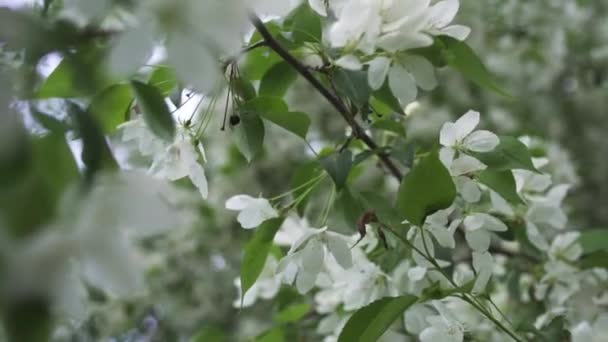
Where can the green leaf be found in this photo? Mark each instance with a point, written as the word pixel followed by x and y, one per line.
pixel 277 79
pixel 273 335
pixel 462 58
pixel 111 105
pixel 39 170
pixel 275 110
pixel 502 182
pixel 390 126
pixel 77 75
pixel 256 252
pixel 338 166
pixel 293 313
pixel 96 154
pixel 164 79
pixel 353 84
pixel 305 25
pixel 154 109
pixel 351 207
pixel 508 155
pixel 385 96
pixel 370 322
pixel 243 88
pixel 594 240
pixel 50 123
pixel 249 135
pixel 428 187
pixel 304 174
pixel 209 334
pixel 596 259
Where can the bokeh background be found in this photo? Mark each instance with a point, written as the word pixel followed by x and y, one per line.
pixel 550 55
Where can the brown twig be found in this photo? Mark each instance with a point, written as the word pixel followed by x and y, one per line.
pixel 335 101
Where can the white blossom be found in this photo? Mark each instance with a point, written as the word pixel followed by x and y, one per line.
pixel 443 327
pixel 252 211
pixel 479 228
pixel 265 287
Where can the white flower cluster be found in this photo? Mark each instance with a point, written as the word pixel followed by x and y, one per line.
pixel 171 161
pixel 379 32
pixel 346 279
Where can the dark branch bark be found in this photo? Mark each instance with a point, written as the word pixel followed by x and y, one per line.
pixel 335 101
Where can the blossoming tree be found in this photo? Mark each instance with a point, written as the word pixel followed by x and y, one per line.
pixel 379 236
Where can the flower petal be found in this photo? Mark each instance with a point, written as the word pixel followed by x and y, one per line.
pixel 465 164
pixel 422 69
pixel 466 124
pixel 443 12
pixel 459 32
pixel 402 84
pixel 350 62
pixel 339 249
pixel 377 72
pixel 481 141
pixel 478 240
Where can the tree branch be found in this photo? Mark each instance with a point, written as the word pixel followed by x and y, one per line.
pixel 335 101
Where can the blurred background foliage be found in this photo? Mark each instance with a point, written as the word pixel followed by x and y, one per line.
pixel 550 55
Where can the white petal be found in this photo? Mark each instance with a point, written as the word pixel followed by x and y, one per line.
pixel 443 236
pixel 313 255
pixel 547 214
pixel 198 178
pixel 131 51
pixel 401 41
pixel 500 205
pixel 492 223
pixel 478 240
pixel 481 141
pixel 448 136
pixel 378 69
pixel 446 155
pixel 466 124
pixel 318 6
pixel 193 63
pixel 443 12
pixel 535 237
pixel 339 249
pixel 416 273
pixel 468 189
pixel 433 334
pixel 349 62
pixel 482 263
pixel 459 32
pixel 305 281
pixel 402 84
pixel 415 318
pixel 239 202
pixel 422 69
pixel 466 164
pixel 582 332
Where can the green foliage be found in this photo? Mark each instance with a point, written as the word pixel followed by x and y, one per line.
pixel 154 110
pixel 249 135
pixel 305 25
pixel 78 74
pixel 390 126
pixel 384 97
pixel 462 58
pixel 44 168
pixel 277 79
pixel 209 334
pixel 111 106
pixel 276 111
pixel 338 166
pixel 428 187
pixel 595 248
pixel 273 335
pixel 353 85
pixel 303 177
pixel 293 313
pixel 96 154
pixel 502 182
pixel 256 252
pixel 508 155
pixel 370 322
pixel 164 79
